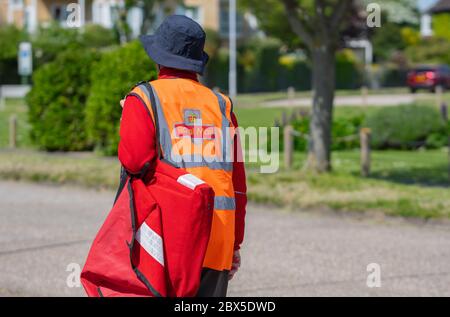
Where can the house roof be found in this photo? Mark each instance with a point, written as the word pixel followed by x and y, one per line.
pixel 441 6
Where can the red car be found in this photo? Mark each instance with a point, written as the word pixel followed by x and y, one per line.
pixel 429 77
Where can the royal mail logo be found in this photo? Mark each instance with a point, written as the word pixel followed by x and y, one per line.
pixel 206 132
pixel 191 116
pixel 192 126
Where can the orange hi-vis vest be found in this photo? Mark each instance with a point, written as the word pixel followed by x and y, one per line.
pixel 193 124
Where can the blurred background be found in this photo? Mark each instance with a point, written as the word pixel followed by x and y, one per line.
pixel 359 90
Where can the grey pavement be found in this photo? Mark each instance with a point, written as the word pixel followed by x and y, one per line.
pixel 371 100
pixel 14 91
pixel 44 228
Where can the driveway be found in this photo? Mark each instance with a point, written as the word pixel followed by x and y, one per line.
pixel 371 100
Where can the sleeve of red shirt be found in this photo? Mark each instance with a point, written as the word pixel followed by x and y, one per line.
pixel 240 189
pixel 137 136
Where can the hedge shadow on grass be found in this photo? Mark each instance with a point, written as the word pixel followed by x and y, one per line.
pixel 436 176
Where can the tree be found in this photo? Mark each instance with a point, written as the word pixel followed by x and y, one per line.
pixel 403 12
pixel 317 26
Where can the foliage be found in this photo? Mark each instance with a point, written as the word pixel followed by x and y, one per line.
pixel 97 36
pixel 387 39
pixel 410 36
pixel 112 78
pixel 399 11
pixel 344 132
pixel 10 37
pixel 262 67
pixel 441 25
pixel 148 9
pixel 407 127
pixel 273 22
pixel 349 73
pixel 57 100
pixel 49 41
pixel 430 51
pixel 262 64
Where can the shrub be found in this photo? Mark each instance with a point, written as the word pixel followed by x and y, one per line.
pixel 262 68
pixel 57 101
pixel 217 70
pixel 348 70
pixel 10 37
pixel 97 36
pixel 430 50
pixel 441 24
pixel 52 40
pixel 344 133
pixel 387 40
pixel 260 62
pixel 295 72
pixel 112 78
pixel 407 127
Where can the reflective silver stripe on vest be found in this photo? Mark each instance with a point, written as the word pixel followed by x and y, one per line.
pixel 226 139
pixel 164 132
pixel 198 160
pixel 224 203
pixel 191 161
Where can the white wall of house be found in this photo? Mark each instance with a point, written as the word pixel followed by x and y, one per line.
pixel 102 13
pixel 135 19
pixel 426 28
pixel 31 20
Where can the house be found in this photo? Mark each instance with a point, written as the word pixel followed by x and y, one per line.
pixel 438 8
pixel 211 14
pixel 31 13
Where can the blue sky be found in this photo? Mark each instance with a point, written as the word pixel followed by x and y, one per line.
pixel 425 4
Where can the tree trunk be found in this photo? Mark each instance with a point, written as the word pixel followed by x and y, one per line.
pixel 319 156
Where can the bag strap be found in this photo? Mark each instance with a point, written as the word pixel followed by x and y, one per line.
pixel 156 123
pixel 123 173
pixel 155 116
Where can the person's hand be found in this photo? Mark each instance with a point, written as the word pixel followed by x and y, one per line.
pixel 236 264
pixel 122 102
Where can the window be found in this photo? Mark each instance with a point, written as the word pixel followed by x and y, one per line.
pixel 16 4
pixel 59 13
pixel 193 12
pixel 224 19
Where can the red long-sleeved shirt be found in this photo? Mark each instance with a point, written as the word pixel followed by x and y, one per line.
pixel 137 146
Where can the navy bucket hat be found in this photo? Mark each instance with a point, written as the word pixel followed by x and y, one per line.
pixel 178 43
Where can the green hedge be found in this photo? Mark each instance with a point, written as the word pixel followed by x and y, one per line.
pixel 407 127
pixel 10 37
pixel 344 133
pixel 402 127
pixel 262 68
pixel 49 41
pixel 57 100
pixel 112 78
pixel 432 50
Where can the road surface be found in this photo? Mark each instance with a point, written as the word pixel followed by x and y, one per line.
pixel 45 228
pixel 371 100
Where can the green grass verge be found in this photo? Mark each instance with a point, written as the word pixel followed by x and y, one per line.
pixel 251 113
pixel 84 169
pixel 410 184
pixel 14 107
